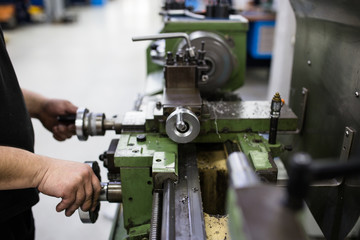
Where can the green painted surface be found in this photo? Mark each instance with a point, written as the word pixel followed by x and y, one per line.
pixel 139 232
pixel 131 153
pixel 135 159
pixel 137 189
pixel 164 162
pixel 260 160
pixel 257 149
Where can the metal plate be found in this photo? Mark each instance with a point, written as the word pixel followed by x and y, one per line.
pixel 326 62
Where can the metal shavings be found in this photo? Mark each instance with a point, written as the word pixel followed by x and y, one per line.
pixel 214 109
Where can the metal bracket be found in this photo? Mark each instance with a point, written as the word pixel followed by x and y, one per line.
pixel 163 168
pixel 347 142
pixel 301 118
pixel 344 156
pixel 304 93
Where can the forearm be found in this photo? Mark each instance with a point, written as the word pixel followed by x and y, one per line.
pixel 20 168
pixel 74 182
pixel 34 102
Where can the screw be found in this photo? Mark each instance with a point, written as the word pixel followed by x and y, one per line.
pixel 204 78
pixel 347 133
pixel 357 94
pixel 309 62
pixel 169 59
pixel 158 105
pixel 303 92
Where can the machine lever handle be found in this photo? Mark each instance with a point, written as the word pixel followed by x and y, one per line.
pixel 67 119
pixel 303 172
pixel 168 36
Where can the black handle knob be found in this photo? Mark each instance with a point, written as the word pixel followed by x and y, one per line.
pixel 67 119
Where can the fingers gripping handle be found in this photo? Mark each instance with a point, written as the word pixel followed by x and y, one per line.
pixel 91 216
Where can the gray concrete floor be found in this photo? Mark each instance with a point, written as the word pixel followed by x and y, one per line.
pixel 94 64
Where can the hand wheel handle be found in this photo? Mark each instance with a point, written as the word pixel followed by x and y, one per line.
pixel 91 216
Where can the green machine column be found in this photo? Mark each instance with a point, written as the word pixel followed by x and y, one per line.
pixel 136 155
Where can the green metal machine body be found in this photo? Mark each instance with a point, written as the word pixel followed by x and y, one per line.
pixel 140 159
pixel 156 153
pixel 146 159
pixel 163 155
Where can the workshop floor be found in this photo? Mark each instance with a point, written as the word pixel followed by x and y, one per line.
pixel 94 64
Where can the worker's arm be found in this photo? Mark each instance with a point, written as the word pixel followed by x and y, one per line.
pixel 47 110
pixel 74 182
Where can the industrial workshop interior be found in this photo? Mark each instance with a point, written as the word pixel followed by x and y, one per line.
pixel 202 119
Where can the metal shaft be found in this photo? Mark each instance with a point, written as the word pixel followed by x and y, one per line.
pixel 111 192
pixel 164 36
pixel 167 36
pixel 180 124
pixel 155 218
pixel 274 117
pixel 273 130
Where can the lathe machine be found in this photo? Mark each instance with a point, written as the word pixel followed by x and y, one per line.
pixel 193 161
pixel 168 167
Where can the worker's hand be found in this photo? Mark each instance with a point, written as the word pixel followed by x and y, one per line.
pixel 48 116
pixel 74 182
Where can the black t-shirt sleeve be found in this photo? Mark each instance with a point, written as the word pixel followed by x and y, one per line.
pixel 15 131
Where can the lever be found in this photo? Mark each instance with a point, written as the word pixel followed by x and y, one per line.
pixel 67 119
pixel 168 36
pixel 303 172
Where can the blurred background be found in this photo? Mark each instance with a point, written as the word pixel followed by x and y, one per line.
pixel 81 50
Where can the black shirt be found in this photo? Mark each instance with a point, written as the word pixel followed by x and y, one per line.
pixel 15 131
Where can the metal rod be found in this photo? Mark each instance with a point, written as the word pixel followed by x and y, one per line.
pixel 164 36
pixel 167 36
pixel 273 130
pixel 168 212
pixel 240 172
pixel 180 124
pixel 275 108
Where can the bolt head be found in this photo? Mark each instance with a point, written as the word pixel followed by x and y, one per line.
pixel 158 105
pixel 141 138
